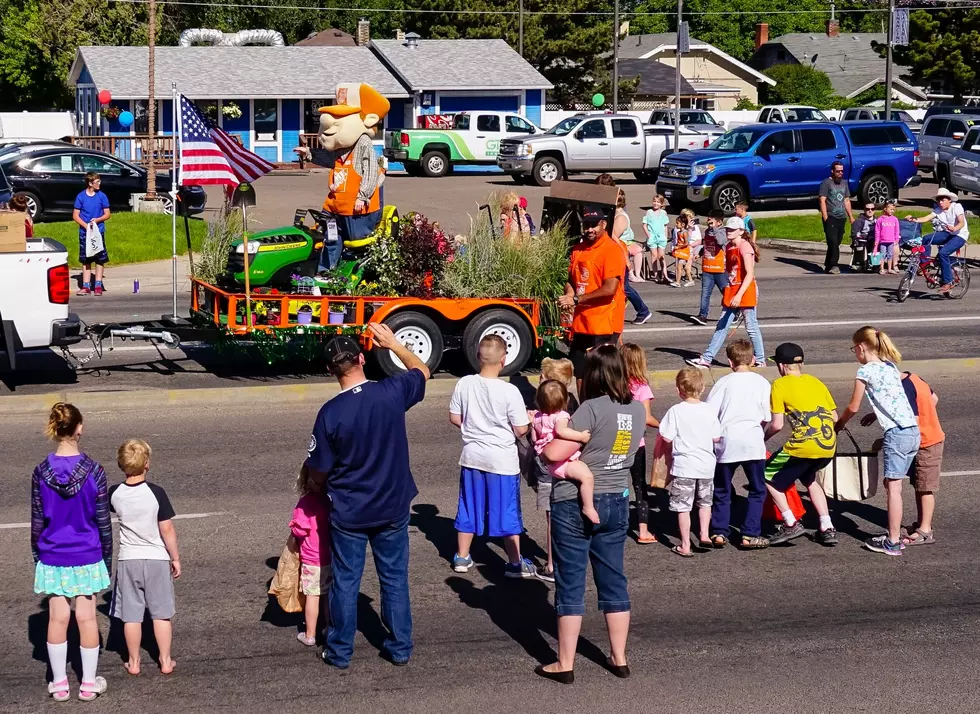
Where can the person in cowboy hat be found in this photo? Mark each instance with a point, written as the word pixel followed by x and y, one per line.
pixel 950 232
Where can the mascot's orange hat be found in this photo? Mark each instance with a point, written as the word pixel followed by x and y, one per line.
pixel 357 98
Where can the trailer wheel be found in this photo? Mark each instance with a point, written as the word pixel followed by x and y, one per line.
pixel 510 327
pixel 420 333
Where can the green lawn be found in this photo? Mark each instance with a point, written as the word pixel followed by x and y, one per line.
pixel 129 237
pixel 811 228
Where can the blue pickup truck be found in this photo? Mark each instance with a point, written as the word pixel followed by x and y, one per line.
pixel 763 162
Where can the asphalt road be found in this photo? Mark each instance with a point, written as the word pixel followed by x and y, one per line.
pixel 792 629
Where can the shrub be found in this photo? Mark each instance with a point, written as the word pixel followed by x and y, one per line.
pixel 211 263
pixel 798 84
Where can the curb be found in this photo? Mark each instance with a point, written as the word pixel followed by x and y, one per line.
pixel 317 393
pixel 805 247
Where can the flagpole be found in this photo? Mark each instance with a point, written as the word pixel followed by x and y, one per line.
pixel 173 191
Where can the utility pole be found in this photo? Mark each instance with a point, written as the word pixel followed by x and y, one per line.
pixel 677 78
pixel 520 28
pixel 615 76
pixel 888 67
pixel 151 108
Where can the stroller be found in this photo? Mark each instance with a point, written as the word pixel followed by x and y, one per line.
pixel 910 237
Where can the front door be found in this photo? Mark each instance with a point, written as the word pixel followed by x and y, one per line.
pixel 484 138
pixel 779 164
pixel 265 125
pixel 966 165
pixel 589 146
pixel 626 149
pixel 818 150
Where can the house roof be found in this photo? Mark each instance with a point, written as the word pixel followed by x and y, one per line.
pixel 331 37
pixel 850 61
pixel 656 78
pixel 648 46
pixel 459 65
pixel 229 72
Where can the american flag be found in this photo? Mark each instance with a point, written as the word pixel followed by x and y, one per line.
pixel 209 156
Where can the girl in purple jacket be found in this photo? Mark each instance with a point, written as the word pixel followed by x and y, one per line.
pixel 71 538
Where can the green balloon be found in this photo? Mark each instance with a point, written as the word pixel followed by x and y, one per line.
pixel 598 100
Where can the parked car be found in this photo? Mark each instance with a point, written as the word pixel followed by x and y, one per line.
pixel 696 119
pixel 951 109
pixel 958 165
pixel 872 114
pixel 594 143
pixel 474 139
pixel 788 114
pixel 762 162
pixel 941 129
pixel 50 175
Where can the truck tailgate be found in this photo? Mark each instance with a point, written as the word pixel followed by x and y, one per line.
pixel 34 292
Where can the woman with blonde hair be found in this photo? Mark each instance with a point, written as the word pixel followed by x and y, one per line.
pixel 513 218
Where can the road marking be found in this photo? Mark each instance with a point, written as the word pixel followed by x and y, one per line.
pixel 800 325
pixel 180 516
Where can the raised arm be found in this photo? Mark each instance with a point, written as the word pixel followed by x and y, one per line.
pixel 385 338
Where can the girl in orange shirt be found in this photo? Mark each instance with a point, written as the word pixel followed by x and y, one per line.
pixel 681 251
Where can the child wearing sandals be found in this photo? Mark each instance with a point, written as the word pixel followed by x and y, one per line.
pixel 636 373
pixel 550 423
pixel 148 561
pixel 71 540
pixel 311 527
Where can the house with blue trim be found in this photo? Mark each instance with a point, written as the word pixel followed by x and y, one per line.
pixel 269 96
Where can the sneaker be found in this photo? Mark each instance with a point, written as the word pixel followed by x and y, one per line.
pixel 785 533
pixel 699 362
pixel 827 537
pixel 461 565
pixel 641 319
pixel 84 291
pixel 675 285
pixel 523 569
pixel 547 575
pixel 881 544
pixel 98 290
pixel 759 363
pixel 688 283
pixel 834 271
pixel 700 320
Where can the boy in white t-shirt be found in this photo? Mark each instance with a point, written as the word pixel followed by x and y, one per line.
pixel 692 429
pixel 491 416
pixel 741 401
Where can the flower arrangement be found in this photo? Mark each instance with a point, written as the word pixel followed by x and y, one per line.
pixel 230 110
pixel 426 251
pixel 110 111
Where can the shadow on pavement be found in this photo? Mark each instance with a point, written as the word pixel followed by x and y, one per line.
pixel 811 266
pixel 274 614
pixel 37 634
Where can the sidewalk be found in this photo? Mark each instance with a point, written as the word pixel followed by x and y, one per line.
pixel 156 277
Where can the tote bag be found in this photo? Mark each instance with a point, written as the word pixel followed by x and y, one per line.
pixel 850 476
pixel 94 241
pixel 285 584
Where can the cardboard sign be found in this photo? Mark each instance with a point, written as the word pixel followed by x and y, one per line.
pixel 13 232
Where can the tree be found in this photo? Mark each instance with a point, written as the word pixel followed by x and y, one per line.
pixel 798 84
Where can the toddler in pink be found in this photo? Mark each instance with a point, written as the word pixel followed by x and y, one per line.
pixel 550 423
pixel 310 526
pixel 888 232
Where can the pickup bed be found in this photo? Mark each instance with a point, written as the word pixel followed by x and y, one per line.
pixel 34 299
pixel 766 162
pixel 594 143
pixel 474 139
pixel 958 165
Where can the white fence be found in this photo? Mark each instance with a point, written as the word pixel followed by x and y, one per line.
pixel 551 117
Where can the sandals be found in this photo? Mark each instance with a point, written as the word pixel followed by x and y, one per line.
pixel 646 541
pixel 754 542
pixel 918 537
pixel 719 541
pixel 90 691
pixel 677 551
pixel 60 691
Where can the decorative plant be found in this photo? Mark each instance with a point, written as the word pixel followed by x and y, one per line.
pixel 211 263
pixel 384 261
pixel 110 111
pixel 425 252
pixel 230 110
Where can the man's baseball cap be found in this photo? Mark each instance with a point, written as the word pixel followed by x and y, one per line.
pixel 354 98
pixel 342 349
pixel 788 353
pixel 734 224
pixel 592 213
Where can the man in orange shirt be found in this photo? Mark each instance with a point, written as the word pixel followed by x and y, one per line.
pixel 595 288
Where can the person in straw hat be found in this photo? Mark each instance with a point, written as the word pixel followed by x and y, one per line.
pixel 950 232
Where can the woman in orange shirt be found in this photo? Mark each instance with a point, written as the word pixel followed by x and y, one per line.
pixel 741 295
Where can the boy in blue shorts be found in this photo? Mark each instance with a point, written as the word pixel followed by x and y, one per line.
pixel 491 416
pixel 91 209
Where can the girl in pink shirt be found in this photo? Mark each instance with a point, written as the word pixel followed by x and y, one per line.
pixel 888 232
pixel 310 526
pixel 636 373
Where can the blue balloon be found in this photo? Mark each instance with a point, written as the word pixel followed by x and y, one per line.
pixel 126 119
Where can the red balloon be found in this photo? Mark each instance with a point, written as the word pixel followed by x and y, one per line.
pixel 105 96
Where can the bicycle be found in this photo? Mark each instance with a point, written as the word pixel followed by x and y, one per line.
pixel 928 268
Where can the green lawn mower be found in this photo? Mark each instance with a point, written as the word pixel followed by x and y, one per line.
pixel 276 255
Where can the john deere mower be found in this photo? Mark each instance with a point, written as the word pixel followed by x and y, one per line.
pixel 275 255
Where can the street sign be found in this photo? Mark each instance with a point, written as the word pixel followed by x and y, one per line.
pixel 900 26
pixel 684 39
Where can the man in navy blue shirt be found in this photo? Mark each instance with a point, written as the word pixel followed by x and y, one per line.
pixel 360 442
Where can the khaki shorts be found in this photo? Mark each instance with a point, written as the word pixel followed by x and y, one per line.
pixel 926 467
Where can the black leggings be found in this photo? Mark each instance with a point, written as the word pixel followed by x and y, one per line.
pixel 638 471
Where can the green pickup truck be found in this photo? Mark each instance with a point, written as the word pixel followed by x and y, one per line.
pixel 474 139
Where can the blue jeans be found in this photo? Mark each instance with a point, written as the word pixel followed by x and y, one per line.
pixel 950 244
pixel 348 228
pixel 728 316
pixel 898 450
pixel 389 544
pixel 708 282
pixel 721 505
pixel 634 297
pixel 575 542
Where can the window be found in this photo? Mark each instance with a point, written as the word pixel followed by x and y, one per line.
pixel 488 122
pixel 209 108
pixel 937 127
pixel 461 122
pixel 781 55
pixel 972 141
pixel 736 141
pixel 516 125
pixel 776 117
pixel 59 163
pixel 311 114
pixel 955 127
pixel 804 114
pixel 779 143
pixel 101 165
pixel 624 129
pixel 595 129
pixel 878 136
pixel 266 116
pixel 660 117
pixel 764 117
pixel 818 139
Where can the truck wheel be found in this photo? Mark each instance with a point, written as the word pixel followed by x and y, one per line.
pixel 435 164
pixel 547 170
pixel 510 327
pixel 726 195
pixel 34 209
pixel 941 177
pixel 876 189
pixel 420 333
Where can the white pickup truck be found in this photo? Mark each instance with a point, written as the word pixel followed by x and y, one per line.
pixel 595 143
pixel 34 299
